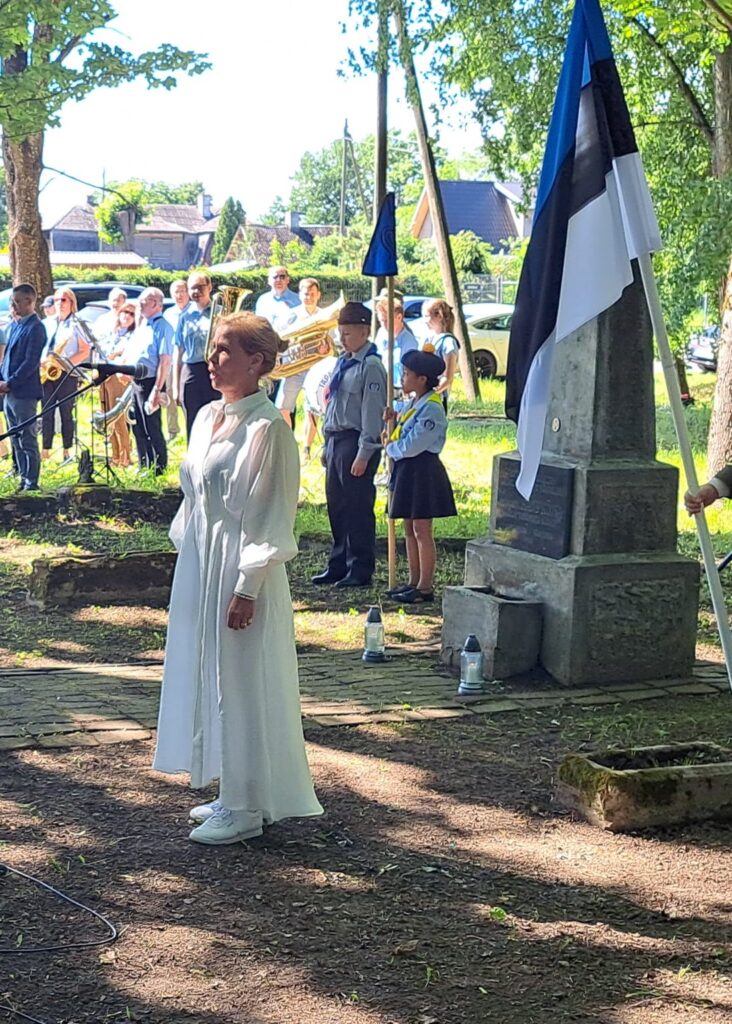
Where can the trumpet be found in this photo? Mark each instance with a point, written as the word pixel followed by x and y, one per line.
pixel 227 300
pixel 308 340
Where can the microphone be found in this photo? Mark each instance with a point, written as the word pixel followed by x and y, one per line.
pixel 103 370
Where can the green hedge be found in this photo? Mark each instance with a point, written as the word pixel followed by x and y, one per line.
pixel 332 281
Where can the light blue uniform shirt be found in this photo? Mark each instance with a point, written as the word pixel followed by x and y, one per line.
pixel 192 332
pixel 425 431
pixel 405 341
pixel 359 402
pixel 443 344
pixel 173 314
pixel 152 339
pixel 276 308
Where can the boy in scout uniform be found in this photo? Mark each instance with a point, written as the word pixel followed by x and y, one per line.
pixel 353 424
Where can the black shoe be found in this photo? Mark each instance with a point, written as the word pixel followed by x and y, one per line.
pixel 415 596
pixel 325 577
pixel 398 589
pixel 353 581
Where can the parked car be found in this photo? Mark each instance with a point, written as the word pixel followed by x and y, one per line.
pixel 93 310
pixel 489 327
pixel 701 352
pixel 84 291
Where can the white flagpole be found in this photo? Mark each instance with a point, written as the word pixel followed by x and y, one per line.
pixel 687 458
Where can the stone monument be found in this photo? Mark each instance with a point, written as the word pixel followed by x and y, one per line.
pixel 597 541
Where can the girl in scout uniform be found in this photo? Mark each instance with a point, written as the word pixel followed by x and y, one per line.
pixel 419 489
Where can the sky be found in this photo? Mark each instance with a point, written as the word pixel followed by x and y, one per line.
pixel 273 92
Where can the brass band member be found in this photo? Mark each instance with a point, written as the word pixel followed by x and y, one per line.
pixel 67 341
pixel 114 387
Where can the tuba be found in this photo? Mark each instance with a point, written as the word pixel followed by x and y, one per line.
pixel 308 341
pixel 104 421
pixel 227 299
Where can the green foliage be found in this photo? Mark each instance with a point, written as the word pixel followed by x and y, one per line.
pixel 276 213
pixel 231 216
pixel 317 181
pixel 469 253
pixel 134 198
pixel 128 197
pixel 53 53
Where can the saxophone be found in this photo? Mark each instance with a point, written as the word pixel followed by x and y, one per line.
pixel 104 421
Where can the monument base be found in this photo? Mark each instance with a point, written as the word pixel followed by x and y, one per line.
pixel 607 617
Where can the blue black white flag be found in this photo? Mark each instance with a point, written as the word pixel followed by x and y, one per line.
pixel 593 216
pixel 381 259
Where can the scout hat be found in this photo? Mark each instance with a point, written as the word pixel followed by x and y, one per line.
pixel 424 363
pixel 354 313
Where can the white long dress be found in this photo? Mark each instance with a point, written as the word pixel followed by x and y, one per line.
pixel 230 705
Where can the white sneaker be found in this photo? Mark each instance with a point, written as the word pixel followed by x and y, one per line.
pixel 225 826
pixel 203 812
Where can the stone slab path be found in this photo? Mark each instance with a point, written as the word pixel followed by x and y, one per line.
pixel 92 704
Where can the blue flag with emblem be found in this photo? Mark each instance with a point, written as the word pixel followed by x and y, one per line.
pixel 593 217
pixel 381 258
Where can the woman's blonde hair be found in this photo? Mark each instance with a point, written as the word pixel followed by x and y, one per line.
pixel 254 334
pixel 67 294
pixel 442 309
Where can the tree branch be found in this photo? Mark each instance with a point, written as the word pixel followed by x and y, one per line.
pixel 66 50
pixel 724 16
pixel 687 92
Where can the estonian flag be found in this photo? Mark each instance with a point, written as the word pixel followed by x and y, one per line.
pixel 593 216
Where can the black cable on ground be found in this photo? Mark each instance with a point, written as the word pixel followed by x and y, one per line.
pixel 20 951
pixel 111 937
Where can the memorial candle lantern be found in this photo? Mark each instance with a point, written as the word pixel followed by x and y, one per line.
pixel 374 646
pixel 471 667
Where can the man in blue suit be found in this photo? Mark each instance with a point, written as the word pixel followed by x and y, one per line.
pixel 20 382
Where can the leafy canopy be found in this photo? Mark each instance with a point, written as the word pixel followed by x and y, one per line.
pixel 52 52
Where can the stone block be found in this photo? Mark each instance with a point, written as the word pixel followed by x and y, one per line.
pixel 508 629
pixel 135 578
pixel 646 787
pixel 606 618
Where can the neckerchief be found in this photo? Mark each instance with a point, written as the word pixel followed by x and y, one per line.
pixel 345 363
pixel 407 415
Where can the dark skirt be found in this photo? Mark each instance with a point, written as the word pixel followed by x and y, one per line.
pixel 420 489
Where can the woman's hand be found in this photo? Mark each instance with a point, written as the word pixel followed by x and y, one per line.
pixel 694 503
pixel 240 613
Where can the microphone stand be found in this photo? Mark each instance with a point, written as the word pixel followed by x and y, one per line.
pixel 87 472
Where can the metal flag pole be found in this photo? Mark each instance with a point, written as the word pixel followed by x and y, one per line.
pixel 390 524
pixel 687 458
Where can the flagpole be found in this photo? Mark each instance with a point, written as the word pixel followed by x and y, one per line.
pixel 391 527
pixel 687 458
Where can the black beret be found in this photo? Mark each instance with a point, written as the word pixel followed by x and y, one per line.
pixel 354 313
pixel 424 364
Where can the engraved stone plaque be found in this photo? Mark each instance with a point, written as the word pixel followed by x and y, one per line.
pixel 542 525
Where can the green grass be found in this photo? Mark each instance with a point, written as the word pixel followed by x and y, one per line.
pixel 476 435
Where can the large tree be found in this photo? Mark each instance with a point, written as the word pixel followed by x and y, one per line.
pixel 53 51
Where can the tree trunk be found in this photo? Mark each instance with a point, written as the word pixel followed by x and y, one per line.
pixel 719 448
pixel 29 259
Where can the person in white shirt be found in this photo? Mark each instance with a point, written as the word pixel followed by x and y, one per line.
pixel 179 294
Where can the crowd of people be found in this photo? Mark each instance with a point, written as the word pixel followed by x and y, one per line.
pixel 231 611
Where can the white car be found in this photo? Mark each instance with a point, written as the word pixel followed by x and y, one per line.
pixel 489 327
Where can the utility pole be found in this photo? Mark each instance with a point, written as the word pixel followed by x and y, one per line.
pixel 344 162
pixel 437 210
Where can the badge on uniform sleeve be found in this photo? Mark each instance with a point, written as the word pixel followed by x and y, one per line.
pixel 429 424
pixel 375 386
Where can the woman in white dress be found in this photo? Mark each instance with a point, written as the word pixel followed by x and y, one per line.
pixel 230 706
